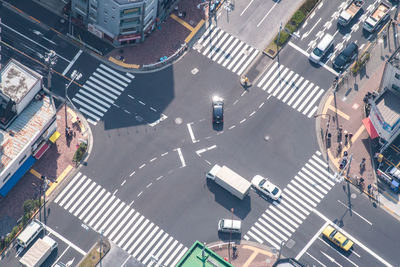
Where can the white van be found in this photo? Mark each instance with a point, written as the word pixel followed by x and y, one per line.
pixel 230 226
pixel 321 49
pixel 30 233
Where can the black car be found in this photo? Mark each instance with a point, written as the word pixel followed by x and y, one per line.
pixel 218 109
pixel 344 59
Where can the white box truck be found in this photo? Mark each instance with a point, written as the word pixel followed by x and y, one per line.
pixel 380 13
pixel 39 252
pixel 350 12
pixel 230 180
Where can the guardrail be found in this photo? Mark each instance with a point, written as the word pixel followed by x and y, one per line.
pixel 177 54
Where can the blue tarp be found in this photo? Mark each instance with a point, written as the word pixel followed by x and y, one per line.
pixel 17 176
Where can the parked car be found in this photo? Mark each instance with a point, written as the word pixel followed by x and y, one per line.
pixel 346 57
pixel 218 109
pixel 266 187
pixel 230 226
pixel 337 238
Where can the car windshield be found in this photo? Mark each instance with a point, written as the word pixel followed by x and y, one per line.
pixel 262 182
pixel 342 57
pixel 333 234
pixel 345 242
pixel 218 111
pixel 318 52
pixel 275 191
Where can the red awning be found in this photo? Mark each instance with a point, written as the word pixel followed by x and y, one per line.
pixel 41 151
pixel 370 128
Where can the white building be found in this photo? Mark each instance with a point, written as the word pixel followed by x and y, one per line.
pixel 27 122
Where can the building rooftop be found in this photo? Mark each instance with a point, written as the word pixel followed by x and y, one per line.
pixel 389 106
pixel 17 81
pixel 23 129
pixel 194 257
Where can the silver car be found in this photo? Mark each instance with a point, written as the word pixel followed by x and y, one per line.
pixel 266 187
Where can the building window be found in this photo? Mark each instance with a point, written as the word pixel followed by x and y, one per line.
pixel 105 21
pixel 396 87
pixel 131 10
pixel 5 179
pixel 113 17
pixel 397 76
pixel 93 6
pixel 22 160
pixel 106 12
pixel 130 20
pixel 129 30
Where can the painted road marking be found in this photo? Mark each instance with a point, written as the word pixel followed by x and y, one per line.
pixel 191 133
pixel 311 241
pixel 200 151
pixel 258 25
pixel 72 62
pixel 81 251
pixel 352 210
pixel 181 157
pixel 244 10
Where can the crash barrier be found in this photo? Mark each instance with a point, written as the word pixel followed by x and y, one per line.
pixel 164 61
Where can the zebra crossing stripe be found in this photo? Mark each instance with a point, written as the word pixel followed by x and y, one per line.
pixel 92 204
pixel 168 251
pixel 285 81
pixel 179 256
pixel 109 82
pixel 292 195
pixel 139 239
pixel 312 112
pixel 166 244
pixel 294 203
pixel 290 84
pixel 319 179
pixel 133 230
pixel 277 218
pixel 144 252
pixel 125 210
pixel 308 98
pixel 130 75
pixel 66 189
pixel 316 97
pixel 90 102
pixel 302 195
pixel 216 51
pixel 72 190
pixel 308 186
pixel 233 54
pixel 104 85
pixel 307 193
pixel 280 80
pixel 228 55
pixel 266 233
pixel 87 107
pixel 87 88
pixel 173 255
pixel 212 43
pixel 294 88
pixel 104 216
pixel 304 93
pixel 97 207
pixel 299 214
pixel 275 210
pixel 298 91
pixel 89 114
pixel 321 162
pixel 243 58
pixel 282 208
pixel 238 56
pixel 94 98
pixel 312 182
pixel 131 221
pixel 255 53
pixel 115 73
pixel 83 196
pixel 269 227
pixel 87 199
pixel 103 208
pixel 325 172
pixel 99 88
pixel 222 51
pixel 155 248
pixel 246 237
pixel 255 237
pixel 272 78
pixel 253 229
pixel 265 218
pixel 267 75
pixel 121 224
pixel 104 226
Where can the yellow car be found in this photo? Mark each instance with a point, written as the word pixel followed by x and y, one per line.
pixel 337 237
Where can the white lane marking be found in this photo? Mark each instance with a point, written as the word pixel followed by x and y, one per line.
pixel 132 174
pixel 244 10
pixel 130 75
pixel 258 25
pixel 65 240
pixel 331 259
pixel 123 264
pixel 191 133
pixel 243 120
pixel 262 104
pixel 153 159
pixel 115 105
pixel 340 254
pixel 198 152
pixel 141 192
pixel 160 177
pixel 181 157
pixel 233 126
pixel 144 164
pixel 149 185
pixel 312 257
pixel 163 154
pixel 142 103
pixel 163 117
pixel 243 93
pixel 62 254
pixel 209 163
pixel 234 103
pixel 370 223
pixel 123 182
pixel 131 96
pixel 115 73
pixel 307 55
pixel 311 241
pixel 251 114
pixel 153 109
pixel 126 111
pixel 116 190
pixel 72 62
pixel 353 239
pixel 45 48
pixel 307 33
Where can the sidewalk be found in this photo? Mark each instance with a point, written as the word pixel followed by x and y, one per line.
pixel 55 164
pixel 345 110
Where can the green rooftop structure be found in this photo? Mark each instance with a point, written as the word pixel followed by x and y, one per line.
pixel 201 256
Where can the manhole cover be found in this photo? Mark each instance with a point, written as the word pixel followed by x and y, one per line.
pixel 290 243
pixel 198 46
pixel 353 196
pixel 139 118
pixel 178 120
pixel 271 52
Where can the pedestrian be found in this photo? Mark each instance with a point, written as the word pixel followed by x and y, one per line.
pixel 350 136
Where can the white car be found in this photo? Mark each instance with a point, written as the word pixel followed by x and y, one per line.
pixel 266 187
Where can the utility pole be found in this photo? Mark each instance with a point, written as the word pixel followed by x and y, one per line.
pixel 75 75
pixel 230 238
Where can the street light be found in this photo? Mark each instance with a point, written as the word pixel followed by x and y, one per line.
pixel 42 191
pixel 50 58
pixel 75 75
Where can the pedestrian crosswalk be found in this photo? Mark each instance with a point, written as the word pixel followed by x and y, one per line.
pixel 292 89
pixel 226 49
pixel 100 91
pixel 299 198
pixel 124 226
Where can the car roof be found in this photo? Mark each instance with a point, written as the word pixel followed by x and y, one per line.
pixel 350 48
pixel 268 185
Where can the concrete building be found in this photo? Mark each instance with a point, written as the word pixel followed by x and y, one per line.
pixel 27 123
pixel 121 21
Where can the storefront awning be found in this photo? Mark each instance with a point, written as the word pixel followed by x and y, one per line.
pixel 53 138
pixel 41 151
pixel 370 128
